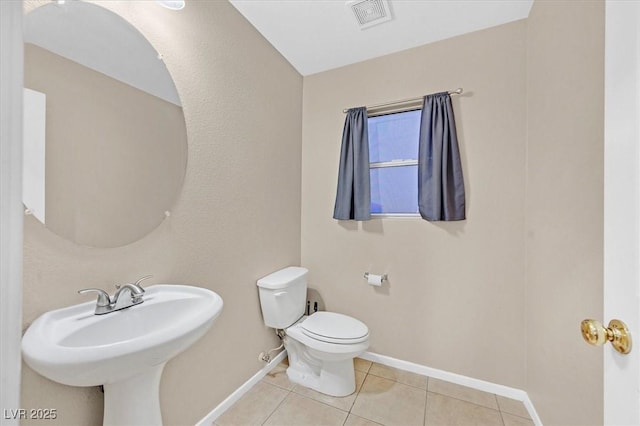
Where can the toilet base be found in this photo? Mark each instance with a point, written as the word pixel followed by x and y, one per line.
pixel 331 373
pixel 335 378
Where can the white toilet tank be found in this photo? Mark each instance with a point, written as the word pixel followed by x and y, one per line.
pixel 282 296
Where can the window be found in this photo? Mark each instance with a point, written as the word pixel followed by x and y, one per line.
pixel 393 162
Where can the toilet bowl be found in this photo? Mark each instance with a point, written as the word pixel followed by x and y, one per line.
pixel 321 350
pixel 321 346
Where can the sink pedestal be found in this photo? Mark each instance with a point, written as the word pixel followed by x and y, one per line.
pixel 134 401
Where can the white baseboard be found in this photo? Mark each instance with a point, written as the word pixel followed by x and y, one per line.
pixel 238 393
pixel 506 391
pixel 458 379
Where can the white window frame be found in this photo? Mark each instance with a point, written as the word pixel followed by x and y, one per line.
pixel 394 163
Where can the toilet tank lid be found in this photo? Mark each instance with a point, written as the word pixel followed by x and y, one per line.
pixel 283 277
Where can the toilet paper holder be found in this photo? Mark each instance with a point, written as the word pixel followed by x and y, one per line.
pixel 384 276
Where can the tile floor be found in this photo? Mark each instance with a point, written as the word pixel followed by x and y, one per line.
pixel 383 396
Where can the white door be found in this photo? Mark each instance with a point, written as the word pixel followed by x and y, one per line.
pixel 622 207
pixel 11 213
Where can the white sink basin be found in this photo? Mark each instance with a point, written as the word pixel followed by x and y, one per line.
pixel 122 350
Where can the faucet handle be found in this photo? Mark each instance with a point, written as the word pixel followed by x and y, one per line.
pixel 103 296
pixel 137 283
pixel 146 277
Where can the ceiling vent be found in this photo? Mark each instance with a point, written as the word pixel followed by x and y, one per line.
pixel 370 12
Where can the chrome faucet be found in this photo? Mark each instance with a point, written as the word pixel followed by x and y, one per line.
pixel 126 295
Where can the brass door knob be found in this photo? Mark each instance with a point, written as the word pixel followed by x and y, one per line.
pixel 617 333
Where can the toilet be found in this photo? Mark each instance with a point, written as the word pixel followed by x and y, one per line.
pixel 320 346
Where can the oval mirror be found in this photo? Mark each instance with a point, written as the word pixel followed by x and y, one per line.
pixel 105 137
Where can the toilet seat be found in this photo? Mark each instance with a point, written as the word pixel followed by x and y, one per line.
pixel 332 327
pixel 340 350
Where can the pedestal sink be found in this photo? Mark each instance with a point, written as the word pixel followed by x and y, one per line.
pixel 124 350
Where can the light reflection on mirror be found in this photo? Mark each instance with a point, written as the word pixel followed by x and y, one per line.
pixel 115 137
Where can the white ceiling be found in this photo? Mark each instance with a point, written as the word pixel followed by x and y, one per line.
pixel 318 35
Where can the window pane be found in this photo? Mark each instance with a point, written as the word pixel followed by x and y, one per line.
pixel 394 189
pixel 394 136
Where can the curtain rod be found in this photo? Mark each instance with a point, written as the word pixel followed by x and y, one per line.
pixel 458 91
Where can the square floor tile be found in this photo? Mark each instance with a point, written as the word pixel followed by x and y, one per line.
pixel 298 410
pixel 406 377
pixel 254 407
pixel 389 402
pixel 353 420
pixel 278 376
pixel 512 406
pixel 447 411
pixel 463 392
pixel 511 420
pixel 343 403
pixel 361 364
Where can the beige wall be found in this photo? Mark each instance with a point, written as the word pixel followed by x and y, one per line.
pixel 565 98
pixel 455 297
pixel 237 218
